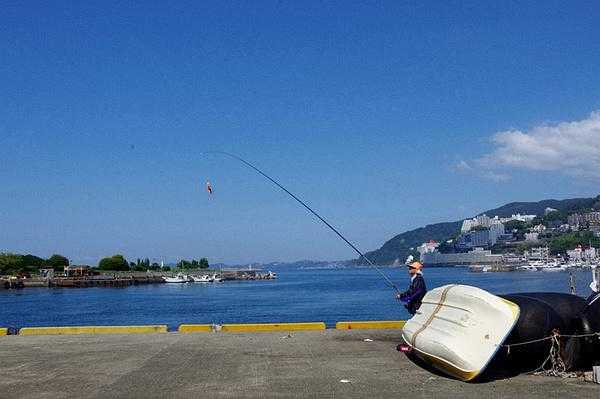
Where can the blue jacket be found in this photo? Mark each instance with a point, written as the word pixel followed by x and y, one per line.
pixel 414 294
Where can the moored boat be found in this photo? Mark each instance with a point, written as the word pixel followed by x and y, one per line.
pixel 179 278
pixel 459 328
pixel 205 278
pixel 466 332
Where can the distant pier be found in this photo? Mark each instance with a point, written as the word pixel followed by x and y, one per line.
pixel 123 279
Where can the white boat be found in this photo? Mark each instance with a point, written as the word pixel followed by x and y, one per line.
pixel 459 328
pixel 527 268
pixel 202 279
pixel 216 278
pixel 595 284
pixel 555 269
pixel 179 278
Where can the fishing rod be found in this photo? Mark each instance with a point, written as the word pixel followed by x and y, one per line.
pixel 390 282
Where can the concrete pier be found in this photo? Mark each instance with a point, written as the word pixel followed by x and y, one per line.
pixel 308 364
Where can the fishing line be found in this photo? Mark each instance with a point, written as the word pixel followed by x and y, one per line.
pixel 390 282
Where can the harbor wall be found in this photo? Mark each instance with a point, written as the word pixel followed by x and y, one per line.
pixel 206 328
pixel 93 330
pixel 122 279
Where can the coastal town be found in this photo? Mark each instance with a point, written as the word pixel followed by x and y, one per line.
pixel 549 242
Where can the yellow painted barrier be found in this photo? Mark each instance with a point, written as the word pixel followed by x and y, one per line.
pixel 272 327
pixel 3 331
pixel 358 325
pixel 93 330
pixel 192 328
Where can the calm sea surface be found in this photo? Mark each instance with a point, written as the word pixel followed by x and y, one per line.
pixel 299 294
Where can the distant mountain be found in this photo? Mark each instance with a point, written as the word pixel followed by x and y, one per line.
pixel 537 208
pixel 399 247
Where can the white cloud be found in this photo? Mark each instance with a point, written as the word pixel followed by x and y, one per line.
pixel 483 172
pixel 571 148
pixel 463 166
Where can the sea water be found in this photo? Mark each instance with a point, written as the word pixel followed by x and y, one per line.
pixel 299 294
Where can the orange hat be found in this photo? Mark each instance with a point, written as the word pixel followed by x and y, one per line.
pixel 416 265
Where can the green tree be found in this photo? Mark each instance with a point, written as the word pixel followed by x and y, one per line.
pixel 115 263
pixel 154 266
pixel 184 264
pixel 57 262
pixel 11 263
pixel 561 244
pixel 203 263
pixel 33 261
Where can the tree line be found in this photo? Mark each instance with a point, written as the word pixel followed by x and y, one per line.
pixel 119 263
pixel 11 263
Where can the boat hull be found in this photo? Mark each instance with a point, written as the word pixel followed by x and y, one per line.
pixel 539 315
pixel 458 329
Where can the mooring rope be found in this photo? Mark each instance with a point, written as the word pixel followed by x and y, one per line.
pixel 557 367
pixel 551 337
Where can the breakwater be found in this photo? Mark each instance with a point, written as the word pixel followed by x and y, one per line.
pixel 122 279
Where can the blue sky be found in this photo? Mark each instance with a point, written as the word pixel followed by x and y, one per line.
pixel 383 116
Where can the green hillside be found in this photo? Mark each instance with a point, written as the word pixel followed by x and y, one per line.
pixel 399 247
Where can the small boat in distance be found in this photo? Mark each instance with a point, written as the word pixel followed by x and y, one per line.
pixel 179 278
pixel 202 279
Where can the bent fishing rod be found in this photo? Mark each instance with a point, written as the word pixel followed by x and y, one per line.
pixel 275 182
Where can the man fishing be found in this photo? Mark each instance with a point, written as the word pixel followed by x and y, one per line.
pixel 417 289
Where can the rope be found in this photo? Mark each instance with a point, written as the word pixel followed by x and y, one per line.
pixel 551 337
pixel 557 367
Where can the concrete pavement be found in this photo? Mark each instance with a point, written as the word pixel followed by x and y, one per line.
pixel 306 364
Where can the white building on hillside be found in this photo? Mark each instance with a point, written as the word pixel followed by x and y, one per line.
pixel 520 218
pixel 479 221
pixel 531 236
pixel 427 247
pixel 580 254
pixel 496 230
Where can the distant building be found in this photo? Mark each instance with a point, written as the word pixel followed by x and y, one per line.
pixel 477 256
pixel 531 236
pixel 564 228
pixel 427 247
pixel 486 222
pixel 518 217
pixel 78 271
pixel 496 231
pixel 47 273
pixel 540 228
pixel 487 237
pixel 549 210
pixel 581 254
pixel 583 219
pixel 537 253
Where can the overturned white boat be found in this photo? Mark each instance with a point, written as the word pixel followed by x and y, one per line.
pixel 458 329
